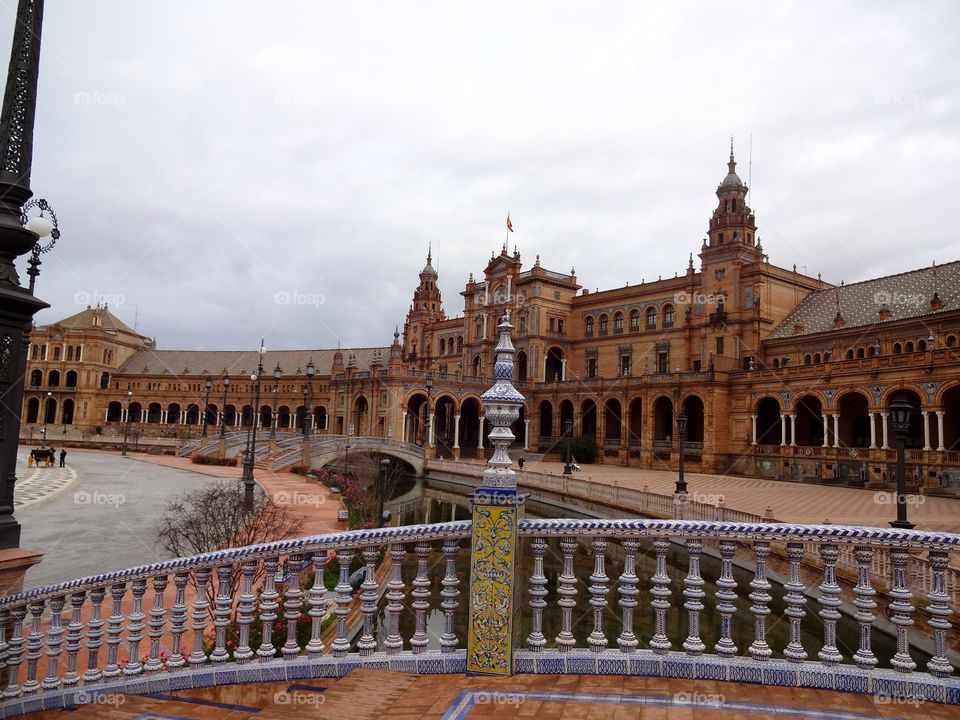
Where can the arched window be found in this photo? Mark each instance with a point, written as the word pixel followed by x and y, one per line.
pixel 35 352
pixel 56 353
pixel 860 353
pixel 635 321
pixel 807 359
pixel 651 319
pixel 459 343
pixel 36 378
pixel 850 354
pixel 785 362
pixel 776 363
pixel 668 317
pixel 898 348
pixel 603 325
pixel 588 327
pixel 79 353
pixel 618 323
pixel 951 341
pixel 443 346
pixel 69 352
pixel 922 346
pixel 871 351
pixel 909 346
pixel 816 358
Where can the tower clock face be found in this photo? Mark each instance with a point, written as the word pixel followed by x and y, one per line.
pixel 500 295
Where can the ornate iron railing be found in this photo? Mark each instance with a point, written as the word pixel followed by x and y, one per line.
pixel 60 646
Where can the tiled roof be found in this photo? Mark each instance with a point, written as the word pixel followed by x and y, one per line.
pixel 85 319
pixel 244 362
pixel 905 295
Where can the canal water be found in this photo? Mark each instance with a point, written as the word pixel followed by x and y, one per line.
pixel 777 630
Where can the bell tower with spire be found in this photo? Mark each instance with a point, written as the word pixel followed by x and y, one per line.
pixel 733 227
pixel 426 309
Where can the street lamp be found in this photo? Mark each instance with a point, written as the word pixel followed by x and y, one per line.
pixel 46 413
pixel 900 411
pixel 568 432
pixel 248 481
pixel 346 452
pixel 206 405
pixel 277 374
pixel 681 488
pixel 223 408
pixel 126 425
pixel 382 491
pixel 308 408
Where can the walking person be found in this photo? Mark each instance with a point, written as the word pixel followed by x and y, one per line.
pixel 63 458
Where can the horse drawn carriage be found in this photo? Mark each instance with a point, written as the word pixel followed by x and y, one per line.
pixel 47 456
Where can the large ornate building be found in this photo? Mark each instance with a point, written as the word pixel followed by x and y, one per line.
pixel 777 372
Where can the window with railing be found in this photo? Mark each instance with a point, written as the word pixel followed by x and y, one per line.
pixel 588 327
pixel 635 321
pixel 651 319
pixel 604 321
pixel 618 323
pixel 668 316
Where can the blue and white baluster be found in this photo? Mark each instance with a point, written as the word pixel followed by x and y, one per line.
pixel 726 596
pixel 660 643
pixel 760 597
pixel 201 605
pixel 395 592
pixel 627 642
pixel 178 620
pixel 222 605
pixel 246 606
pixel 795 601
pixel 421 595
pixel 54 641
pixel 340 645
pixel 450 593
pixel 902 610
pixel 598 595
pixel 15 651
pixel 114 629
pixel 939 609
pixel 537 591
pixel 34 647
pixel 268 609
pixel 94 635
pixel 693 592
pixel 74 638
pixel 293 605
pixel 157 620
pixel 829 601
pixel 316 603
pixel 567 591
pixel 865 604
pixel 135 628
pixel 368 602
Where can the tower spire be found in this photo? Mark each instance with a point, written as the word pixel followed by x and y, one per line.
pixel 732 165
pixel 430 250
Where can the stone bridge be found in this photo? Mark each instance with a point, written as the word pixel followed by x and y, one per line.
pixel 332 449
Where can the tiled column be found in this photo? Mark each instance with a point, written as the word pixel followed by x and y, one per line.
pixel 873 431
pixel 883 424
pixel 836 430
pixel 793 429
pixel 940 446
pixel 926 430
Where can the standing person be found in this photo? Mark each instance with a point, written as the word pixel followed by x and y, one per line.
pixel 520 462
pixel 63 458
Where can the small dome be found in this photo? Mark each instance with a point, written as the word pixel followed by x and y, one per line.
pixel 428 270
pixel 732 180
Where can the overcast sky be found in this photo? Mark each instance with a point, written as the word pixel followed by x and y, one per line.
pixel 224 171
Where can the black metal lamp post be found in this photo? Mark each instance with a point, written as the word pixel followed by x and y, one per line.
pixel 900 411
pixel 384 515
pixel 248 480
pixel 277 374
pixel 126 425
pixel 223 409
pixel 568 432
pixel 206 406
pixel 681 488
pixel 346 452
pixel 308 408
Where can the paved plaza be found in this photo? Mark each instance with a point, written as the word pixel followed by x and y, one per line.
pixel 39 483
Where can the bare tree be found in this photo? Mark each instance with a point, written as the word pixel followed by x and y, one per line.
pixel 213 518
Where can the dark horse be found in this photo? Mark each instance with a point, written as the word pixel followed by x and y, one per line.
pixel 38 455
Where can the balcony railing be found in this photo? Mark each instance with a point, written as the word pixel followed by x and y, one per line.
pixel 59 645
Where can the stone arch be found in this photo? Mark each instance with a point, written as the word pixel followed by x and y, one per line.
pixel 68 409
pixel 360 415
pixel 50 411
pixel 809 428
pixel 36 377
pixel 135 412
pixel 53 378
pixel 769 427
pixel 521 366
pixel 612 421
pixel 854 408
pixel 949 402
pixel 416 423
pixel 266 416
pixel 553 364
pixel 33 409
pixel 662 418
pixel 566 416
pixel 546 420
pixel 444 408
pixel 635 420
pixel 154 412
pixel 193 414
pixel 173 413
pixel 71 378
pixel 588 418
pixel 477 366
pixel 470 431
pixel 693 408
pixel 114 412
pixel 283 417
pixel 911 395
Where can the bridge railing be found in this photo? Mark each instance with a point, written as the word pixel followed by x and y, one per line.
pixel 321 444
pixel 258 612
